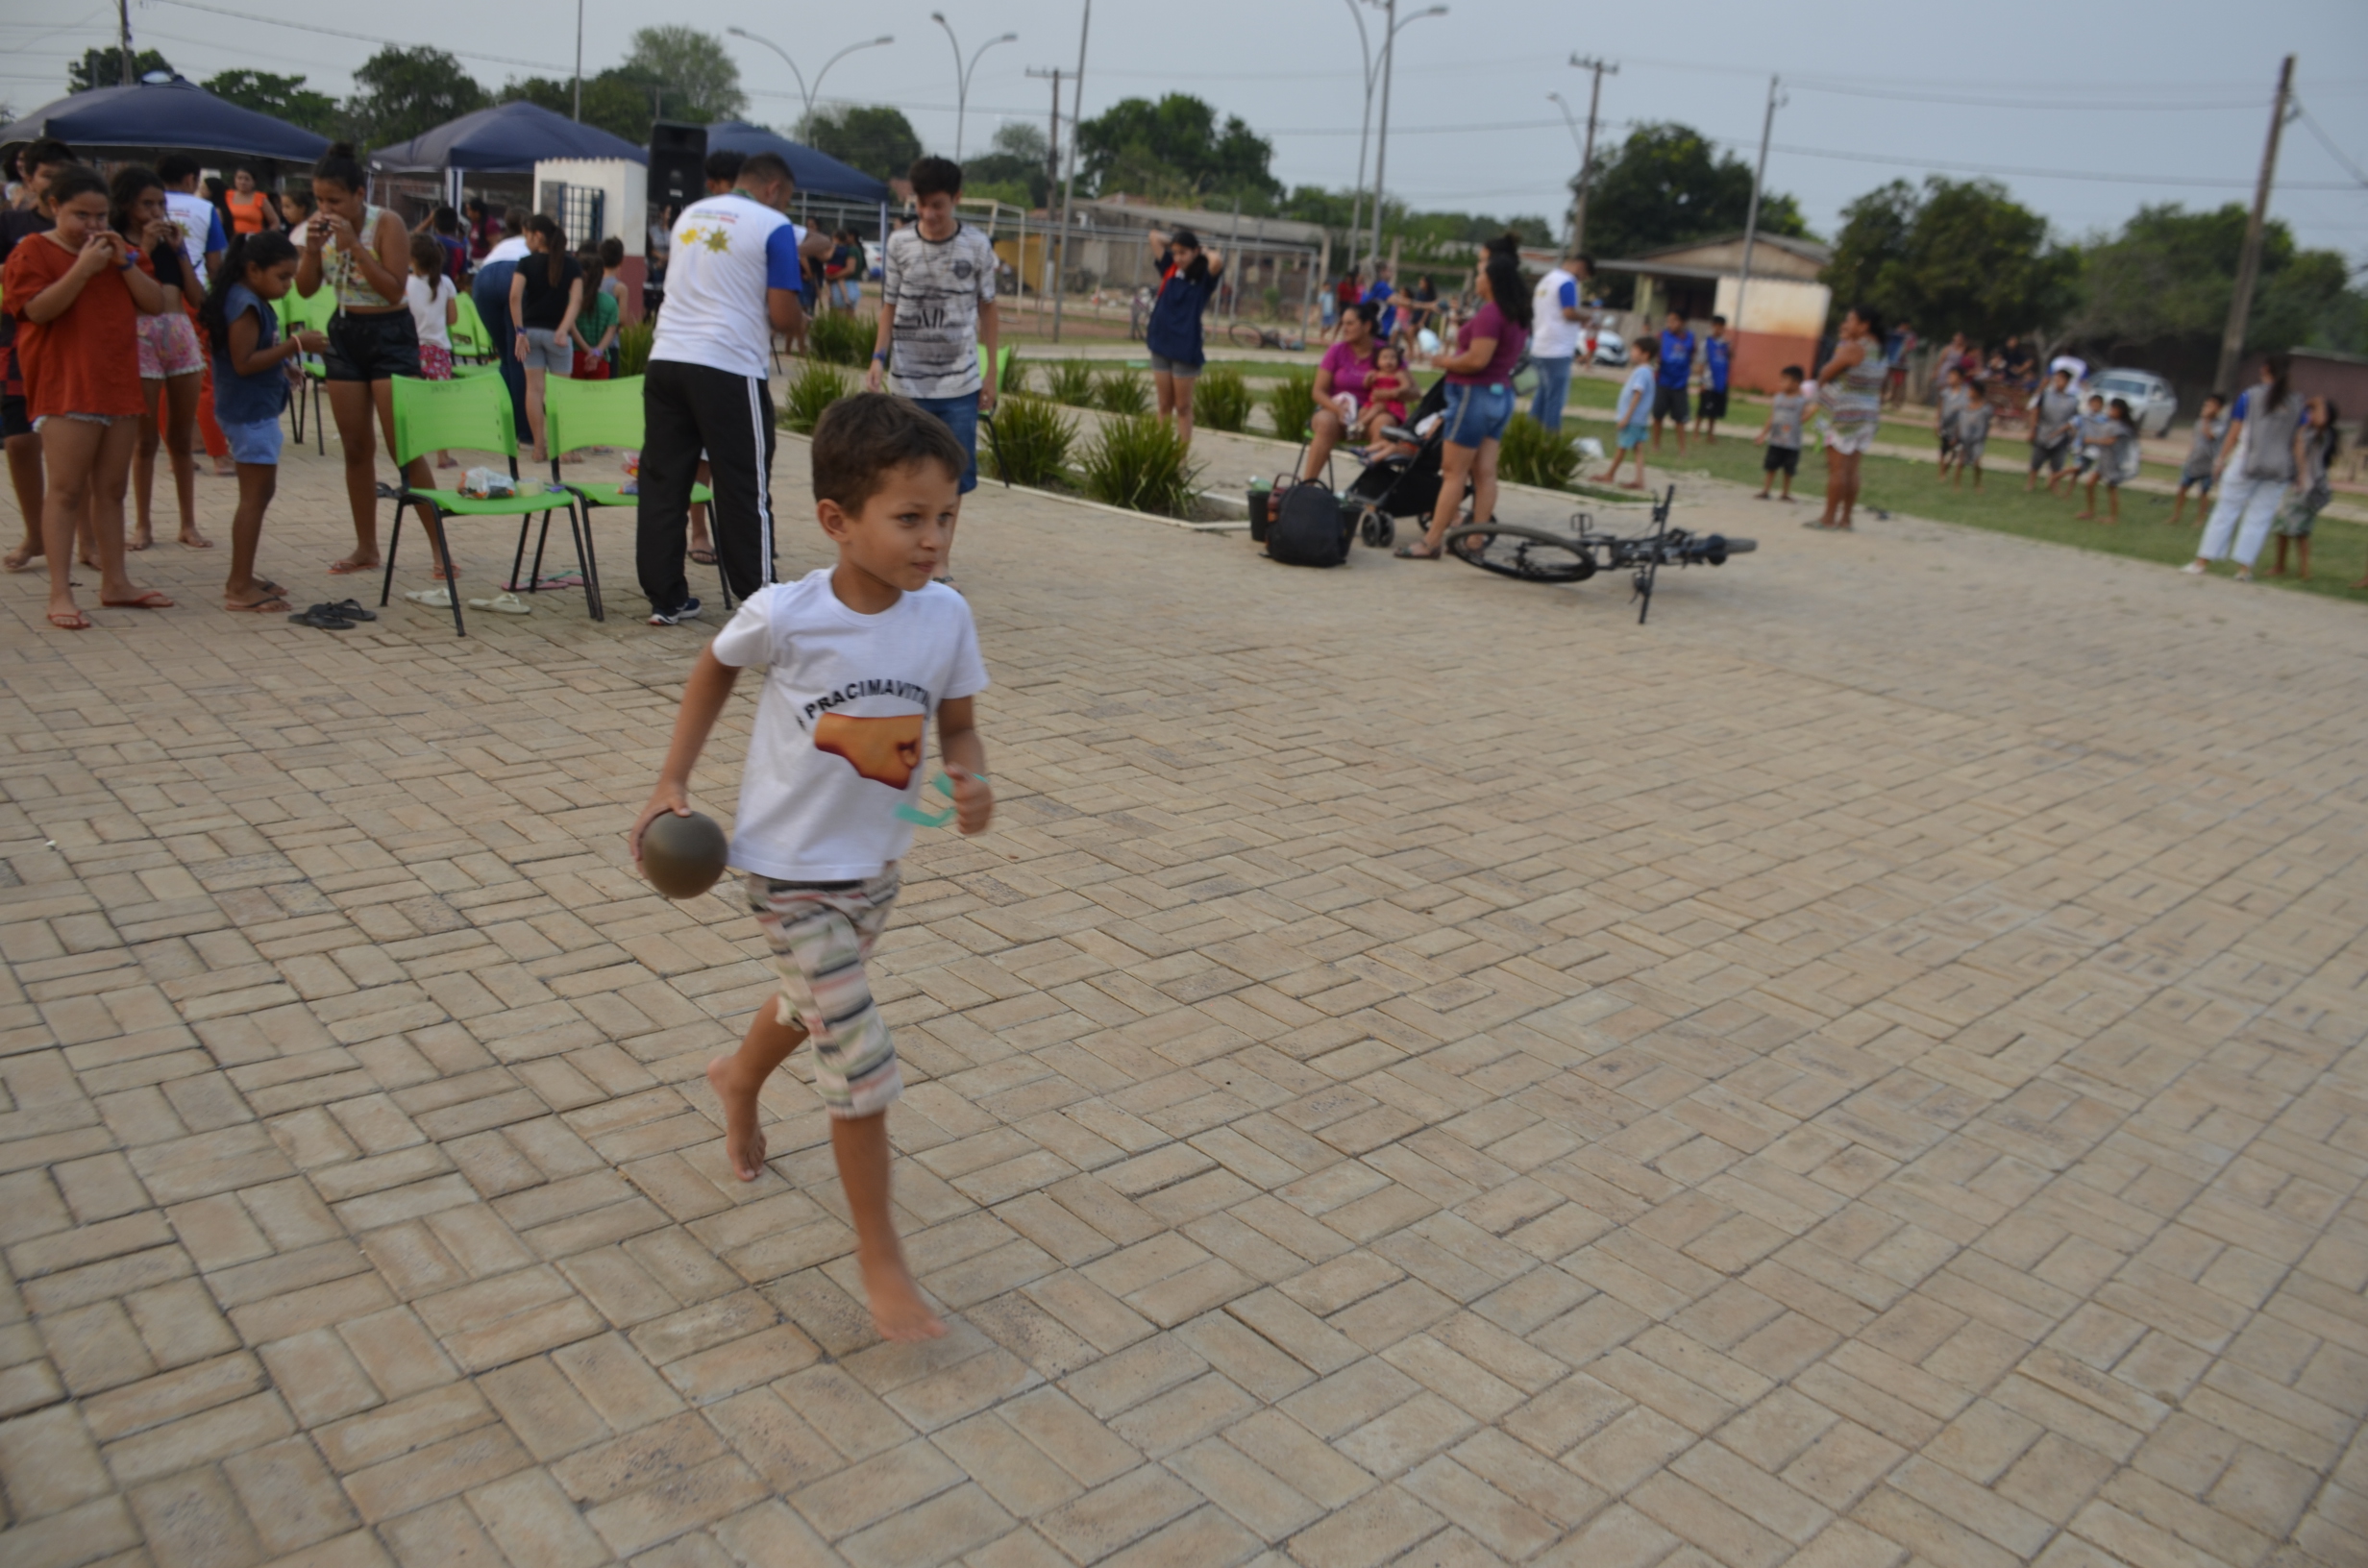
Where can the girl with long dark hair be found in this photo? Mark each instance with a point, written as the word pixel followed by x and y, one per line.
pixel 172 368
pixel 546 296
pixel 362 253
pixel 249 392
pixel 1479 395
pixel 1188 277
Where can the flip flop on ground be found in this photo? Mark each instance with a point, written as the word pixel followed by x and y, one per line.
pixel 323 618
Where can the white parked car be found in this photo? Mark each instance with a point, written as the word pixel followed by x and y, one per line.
pixel 2150 396
pixel 1610 349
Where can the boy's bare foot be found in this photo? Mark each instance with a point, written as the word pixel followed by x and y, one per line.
pixel 897 1311
pixel 345 566
pixel 191 539
pixel 744 1141
pixel 2084 517
pixel 142 538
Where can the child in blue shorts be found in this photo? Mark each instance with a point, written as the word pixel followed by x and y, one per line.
pixel 249 392
pixel 1634 411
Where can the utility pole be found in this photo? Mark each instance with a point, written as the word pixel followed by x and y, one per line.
pixel 123 38
pixel 2249 264
pixel 1068 186
pixel 579 61
pixel 1587 158
pixel 1052 174
pixel 1381 150
pixel 1365 126
pixel 1751 219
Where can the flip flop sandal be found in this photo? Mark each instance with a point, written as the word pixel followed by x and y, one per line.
pixel 322 618
pixel 503 604
pixel 70 619
pixel 353 610
pixel 436 599
pixel 702 557
pixel 1408 552
pixel 154 599
pixel 268 604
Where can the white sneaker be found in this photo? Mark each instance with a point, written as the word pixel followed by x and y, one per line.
pixel 436 599
pixel 2194 569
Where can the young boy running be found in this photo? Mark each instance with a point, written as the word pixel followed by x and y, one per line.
pixel 856 660
pixel 936 311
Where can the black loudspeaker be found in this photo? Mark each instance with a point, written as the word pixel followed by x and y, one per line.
pixel 678 159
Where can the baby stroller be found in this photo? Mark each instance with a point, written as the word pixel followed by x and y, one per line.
pixel 1401 479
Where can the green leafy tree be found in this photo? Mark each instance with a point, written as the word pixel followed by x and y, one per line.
pixel 873 137
pixel 1667 185
pixel 1175 149
pixel 1958 256
pixel 2163 283
pixel 619 100
pixel 698 79
pixel 401 92
pixel 283 97
pixel 1015 167
pixel 104 68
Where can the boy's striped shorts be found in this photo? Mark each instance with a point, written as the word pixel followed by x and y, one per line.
pixel 821 934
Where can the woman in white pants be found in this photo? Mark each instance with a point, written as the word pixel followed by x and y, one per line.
pixel 2260 459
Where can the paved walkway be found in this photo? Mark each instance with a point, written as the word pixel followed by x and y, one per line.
pixel 1862 1070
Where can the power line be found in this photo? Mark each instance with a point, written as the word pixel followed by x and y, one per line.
pixel 361 37
pixel 2328 142
pixel 2181 106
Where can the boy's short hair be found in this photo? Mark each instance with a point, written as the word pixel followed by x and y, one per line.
pixel 46 153
pixel 1793 372
pixel 935 176
pixel 175 168
pixel 612 252
pixel 1649 346
pixel 758 168
pixel 2215 397
pixel 862 437
pixel 1718 321
pixel 724 164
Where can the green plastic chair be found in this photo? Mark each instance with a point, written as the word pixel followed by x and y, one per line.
pixel 993 374
pixel 472 339
pixel 310 315
pixel 474 414
pixel 580 414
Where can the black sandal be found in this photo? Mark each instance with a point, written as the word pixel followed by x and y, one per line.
pixel 352 610
pixel 322 618
pixel 1408 552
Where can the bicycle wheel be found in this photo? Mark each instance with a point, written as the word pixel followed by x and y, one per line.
pixel 1530 555
pixel 1247 336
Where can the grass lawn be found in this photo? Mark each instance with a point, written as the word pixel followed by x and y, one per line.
pixel 2145 531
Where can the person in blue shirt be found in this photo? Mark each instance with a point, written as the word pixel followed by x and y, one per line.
pixel 1718 356
pixel 1380 293
pixel 1188 277
pixel 1676 374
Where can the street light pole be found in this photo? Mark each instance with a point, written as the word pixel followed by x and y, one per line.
pixel 1365 126
pixel 1586 158
pixel 805 127
pixel 962 75
pixel 580 61
pixel 1069 185
pixel 1389 68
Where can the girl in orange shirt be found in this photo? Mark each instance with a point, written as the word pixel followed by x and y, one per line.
pixel 251 210
pixel 78 293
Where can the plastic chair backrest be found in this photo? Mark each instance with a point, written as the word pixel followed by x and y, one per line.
pixel 472 413
pixel 472 325
pixel 578 414
pixel 317 312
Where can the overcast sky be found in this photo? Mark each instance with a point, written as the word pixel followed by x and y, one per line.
pixel 2174 92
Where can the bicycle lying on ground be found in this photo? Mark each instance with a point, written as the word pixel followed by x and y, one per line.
pixel 1537 555
pixel 1247 336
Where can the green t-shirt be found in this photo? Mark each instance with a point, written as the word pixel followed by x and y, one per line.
pixel 593 321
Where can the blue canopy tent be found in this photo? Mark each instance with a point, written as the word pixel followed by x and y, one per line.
pixel 818 174
pixel 157 117
pixel 508 138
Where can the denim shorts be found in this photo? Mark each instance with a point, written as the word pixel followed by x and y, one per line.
pixel 549 353
pixel 257 443
pixel 1476 414
pixel 959 415
pixel 1632 436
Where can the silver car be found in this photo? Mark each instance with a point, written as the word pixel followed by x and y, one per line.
pixel 2149 396
pixel 1610 349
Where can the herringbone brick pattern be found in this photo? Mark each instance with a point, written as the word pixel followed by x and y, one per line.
pixel 1864 1071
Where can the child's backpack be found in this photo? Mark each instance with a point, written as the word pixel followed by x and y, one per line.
pixel 1310 527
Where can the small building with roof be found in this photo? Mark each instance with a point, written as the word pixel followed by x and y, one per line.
pixel 1783 308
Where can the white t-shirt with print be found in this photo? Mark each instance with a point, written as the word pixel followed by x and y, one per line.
pixel 935 288
pixel 842 725
pixel 200 226
pixel 727 251
pixel 427 296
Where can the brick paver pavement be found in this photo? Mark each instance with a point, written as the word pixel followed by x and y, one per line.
pixel 1862 1070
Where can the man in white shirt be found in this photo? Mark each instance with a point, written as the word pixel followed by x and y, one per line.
pixel 1557 326
pixel 732 282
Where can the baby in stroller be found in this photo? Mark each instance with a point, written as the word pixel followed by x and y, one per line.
pixel 1401 472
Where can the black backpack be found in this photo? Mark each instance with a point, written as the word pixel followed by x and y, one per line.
pixel 1310 527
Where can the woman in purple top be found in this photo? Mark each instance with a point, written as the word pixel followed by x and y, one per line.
pixel 1340 384
pixel 1479 397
